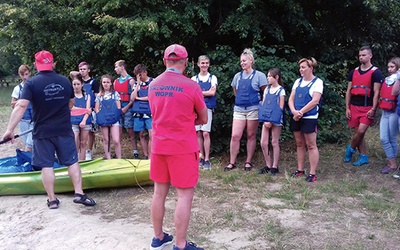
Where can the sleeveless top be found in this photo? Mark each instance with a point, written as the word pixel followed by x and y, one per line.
pixel 302 97
pixel 270 111
pixel 211 101
pixel 246 95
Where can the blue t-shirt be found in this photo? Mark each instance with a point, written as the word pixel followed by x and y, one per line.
pixel 49 94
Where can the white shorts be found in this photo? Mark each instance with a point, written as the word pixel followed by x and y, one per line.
pixel 206 127
pixel 248 116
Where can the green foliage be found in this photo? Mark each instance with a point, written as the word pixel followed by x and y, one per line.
pixel 280 32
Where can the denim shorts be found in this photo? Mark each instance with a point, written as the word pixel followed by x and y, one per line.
pixel 141 124
pixel 126 120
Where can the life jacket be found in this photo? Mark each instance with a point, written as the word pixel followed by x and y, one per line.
pixel 211 101
pixel 387 101
pixel 302 97
pixel 270 111
pixel 88 90
pixel 80 103
pixel 123 88
pixel 362 84
pixel 142 107
pixel 109 112
pixel 246 95
pixel 28 112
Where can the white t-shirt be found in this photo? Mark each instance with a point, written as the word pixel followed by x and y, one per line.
pixel 318 87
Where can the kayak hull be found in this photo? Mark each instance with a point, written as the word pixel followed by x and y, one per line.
pixel 97 173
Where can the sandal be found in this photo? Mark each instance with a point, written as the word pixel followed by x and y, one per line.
pixel 84 200
pixel 53 204
pixel 233 166
pixel 248 168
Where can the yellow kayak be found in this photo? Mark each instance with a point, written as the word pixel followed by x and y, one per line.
pixel 97 173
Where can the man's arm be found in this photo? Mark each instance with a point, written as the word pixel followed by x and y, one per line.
pixel 74 74
pixel 348 99
pixel 16 116
pixel 202 117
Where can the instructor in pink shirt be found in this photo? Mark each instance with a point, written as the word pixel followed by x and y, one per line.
pixel 177 104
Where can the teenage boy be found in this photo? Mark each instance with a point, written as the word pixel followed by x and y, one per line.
pixel 208 84
pixel 362 99
pixel 124 85
pixel 91 87
pixel 141 109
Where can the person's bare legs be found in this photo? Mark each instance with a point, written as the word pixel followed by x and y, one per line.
pixel 91 140
pixel 200 141
pixel 313 153
pixel 207 145
pixel 300 149
pixel 106 139
pixel 358 139
pixel 182 215
pixel 84 135
pixel 132 138
pixel 264 145
pixel 74 172
pixel 48 180
pixel 276 133
pixel 237 131
pixel 144 143
pixel 157 208
pixel 116 141
pixel 252 126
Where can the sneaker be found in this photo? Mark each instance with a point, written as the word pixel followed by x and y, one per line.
pixel 397 175
pixel 311 178
pixel 88 155
pixel 207 165
pixel 387 170
pixel 274 171
pixel 157 244
pixel 349 153
pixel 189 246
pixel 135 155
pixel 201 163
pixel 361 161
pixel 298 173
pixel 264 170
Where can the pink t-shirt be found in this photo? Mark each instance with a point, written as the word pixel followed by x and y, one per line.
pixel 174 101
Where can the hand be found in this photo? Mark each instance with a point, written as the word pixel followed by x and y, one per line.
pixel 8 136
pixel 82 125
pixel 348 114
pixel 371 113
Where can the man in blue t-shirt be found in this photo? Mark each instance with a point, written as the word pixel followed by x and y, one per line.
pixel 52 97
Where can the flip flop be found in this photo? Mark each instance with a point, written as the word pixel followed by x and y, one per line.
pixel 248 168
pixel 53 204
pixel 84 200
pixel 230 168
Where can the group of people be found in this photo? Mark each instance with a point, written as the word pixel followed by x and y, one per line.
pixel 176 141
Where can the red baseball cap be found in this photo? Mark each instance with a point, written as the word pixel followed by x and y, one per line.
pixel 44 60
pixel 175 49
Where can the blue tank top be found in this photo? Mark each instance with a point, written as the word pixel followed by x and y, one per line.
pixel 109 112
pixel 270 111
pixel 302 97
pixel 246 95
pixel 28 112
pixel 80 103
pixel 142 107
pixel 211 101
pixel 88 90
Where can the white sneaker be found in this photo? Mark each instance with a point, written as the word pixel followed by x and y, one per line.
pixel 88 156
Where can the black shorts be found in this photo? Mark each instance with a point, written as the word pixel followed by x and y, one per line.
pixel 307 126
pixel 44 149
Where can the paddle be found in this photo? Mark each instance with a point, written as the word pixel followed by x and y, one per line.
pixel 78 111
pixel 16 136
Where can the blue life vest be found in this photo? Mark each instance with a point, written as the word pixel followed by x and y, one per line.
pixel 246 95
pixel 302 97
pixel 88 90
pixel 270 111
pixel 109 112
pixel 28 112
pixel 80 103
pixel 142 107
pixel 211 101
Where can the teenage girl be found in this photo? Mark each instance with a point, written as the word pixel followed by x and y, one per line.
pixel 108 97
pixel 271 114
pixel 81 125
pixel 388 126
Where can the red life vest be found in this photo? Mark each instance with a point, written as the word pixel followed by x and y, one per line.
pixel 387 101
pixel 123 89
pixel 362 84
